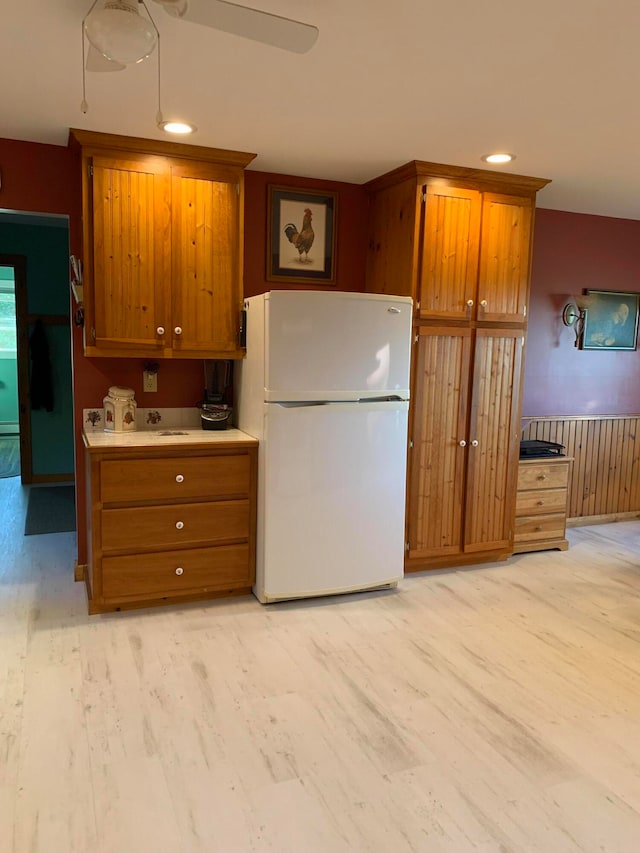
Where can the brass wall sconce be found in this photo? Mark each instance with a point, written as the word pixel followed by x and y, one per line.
pixel 574 314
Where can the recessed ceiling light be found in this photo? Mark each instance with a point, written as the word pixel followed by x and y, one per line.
pixel 498 158
pixel 177 126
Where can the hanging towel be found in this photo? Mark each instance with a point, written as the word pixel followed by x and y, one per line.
pixel 41 381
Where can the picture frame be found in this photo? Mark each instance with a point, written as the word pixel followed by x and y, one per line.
pixel 611 320
pixel 301 240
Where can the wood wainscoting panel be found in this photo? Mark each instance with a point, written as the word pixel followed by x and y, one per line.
pixel 605 478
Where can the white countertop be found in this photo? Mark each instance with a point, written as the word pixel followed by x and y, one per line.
pixel 165 438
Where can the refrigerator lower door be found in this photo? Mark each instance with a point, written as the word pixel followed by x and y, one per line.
pixel 331 498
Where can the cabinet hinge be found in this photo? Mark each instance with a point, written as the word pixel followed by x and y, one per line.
pixel 90 170
pixel 406 547
pixel 415 339
pixel 411 444
pixel 522 342
pixel 524 310
pixel 424 198
pixel 93 334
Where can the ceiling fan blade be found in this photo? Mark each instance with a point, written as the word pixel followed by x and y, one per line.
pixel 246 22
pixel 97 62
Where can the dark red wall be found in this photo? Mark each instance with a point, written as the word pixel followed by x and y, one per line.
pixel 573 252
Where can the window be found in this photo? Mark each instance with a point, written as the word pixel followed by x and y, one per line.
pixel 8 337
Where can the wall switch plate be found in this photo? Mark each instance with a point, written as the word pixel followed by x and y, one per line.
pixel 150 381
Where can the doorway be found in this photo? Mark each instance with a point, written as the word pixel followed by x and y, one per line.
pixel 34 259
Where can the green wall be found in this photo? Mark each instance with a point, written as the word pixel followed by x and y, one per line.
pixel 44 241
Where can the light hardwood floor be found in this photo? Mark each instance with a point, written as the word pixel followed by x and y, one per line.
pixel 486 709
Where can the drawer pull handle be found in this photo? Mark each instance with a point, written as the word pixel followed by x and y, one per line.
pixel 179 525
pixel 180 478
pixel 538 529
pixel 179 570
pixel 542 476
pixel 540 503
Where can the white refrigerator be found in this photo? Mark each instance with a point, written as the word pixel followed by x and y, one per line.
pixel 324 388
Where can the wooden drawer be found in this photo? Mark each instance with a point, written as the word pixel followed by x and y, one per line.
pixel 203 569
pixel 543 475
pixel 541 501
pixel 128 480
pixel 147 527
pixel 531 528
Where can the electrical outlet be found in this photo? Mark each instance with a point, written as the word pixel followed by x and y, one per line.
pixel 150 381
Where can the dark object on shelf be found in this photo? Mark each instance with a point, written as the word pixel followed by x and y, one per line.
pixel 535 448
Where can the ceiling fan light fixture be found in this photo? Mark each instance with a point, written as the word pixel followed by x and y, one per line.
pixel 498 159
pixel 175 126
pixel 118 30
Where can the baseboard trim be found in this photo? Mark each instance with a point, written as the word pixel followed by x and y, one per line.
pixel 608 518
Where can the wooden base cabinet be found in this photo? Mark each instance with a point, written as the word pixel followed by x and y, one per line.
pixel 169 525
pixel 458 241
pixel 541 506
pixel 464 445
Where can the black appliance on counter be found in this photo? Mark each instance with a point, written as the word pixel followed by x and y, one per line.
pixel 216 410
pixel 535 448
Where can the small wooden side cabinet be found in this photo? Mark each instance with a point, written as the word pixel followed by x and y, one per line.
pixel 170 524
pixel 541 504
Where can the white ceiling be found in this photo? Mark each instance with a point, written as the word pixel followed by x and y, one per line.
pixel 554 81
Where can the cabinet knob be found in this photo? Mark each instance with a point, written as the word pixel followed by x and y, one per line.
pixel 474 443
pixel 179 570
pixel 178 330
pixel 179 525
pixel 469 303
pixel 540 503
pixel 542 476
pixel 179 478
pixel 538 529
pixel 483 303
pixel 160 330
pixel 462 443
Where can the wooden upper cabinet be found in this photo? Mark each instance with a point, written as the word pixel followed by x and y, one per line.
pixel 505 256
pixel 450 246
pixel 163 243
pixel 131 271
pixel 206 286
pixel 456 239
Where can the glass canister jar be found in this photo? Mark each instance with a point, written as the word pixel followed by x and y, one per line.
pixel 119 410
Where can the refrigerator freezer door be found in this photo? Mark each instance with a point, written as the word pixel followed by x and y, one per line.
pixel 336 346
pixel 332 499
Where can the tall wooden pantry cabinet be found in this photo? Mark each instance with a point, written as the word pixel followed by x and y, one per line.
pixel 458 241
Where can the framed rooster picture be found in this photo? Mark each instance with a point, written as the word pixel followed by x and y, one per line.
pixel 302 236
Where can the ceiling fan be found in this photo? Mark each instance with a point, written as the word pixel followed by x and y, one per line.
pixel 119 34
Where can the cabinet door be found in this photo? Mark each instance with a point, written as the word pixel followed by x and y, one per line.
pixel 207 240
pixel 130 257
pixel 449 268
pixel 492 466
pixel 505 249
pixel 439 455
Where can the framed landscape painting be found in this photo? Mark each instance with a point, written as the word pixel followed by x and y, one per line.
pixel 611 321
pixel 301 236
